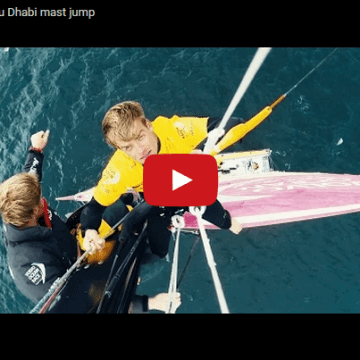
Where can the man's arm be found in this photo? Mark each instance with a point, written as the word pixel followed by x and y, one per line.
pixel 33 164
pixel 106 193
pixel 35 158
pixel 91 216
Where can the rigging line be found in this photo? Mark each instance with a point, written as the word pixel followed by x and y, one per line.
pixel 233 136
pixel 57 285
pixel 181 277
pixel 212 139
pixel 178 223
pixel 251 71
pixel 198 212
pixel 310 72
pixel 283 96
pixel 173 276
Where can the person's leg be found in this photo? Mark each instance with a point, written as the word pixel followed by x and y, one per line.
pixel 220 217
pixel 217 215
pixel 115 212
pixel 158 232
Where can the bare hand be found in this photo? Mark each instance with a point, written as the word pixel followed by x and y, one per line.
pixel 93 241
pixel 160 301
pixel 40 139
pixel 235 226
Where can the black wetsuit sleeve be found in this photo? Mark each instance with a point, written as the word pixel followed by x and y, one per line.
pixel 91 215
pixel 34 163
pixel 139 305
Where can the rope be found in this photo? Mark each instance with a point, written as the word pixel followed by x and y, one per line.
pixel 309 73
pixel 212 139
pixel 179 223
pixel 198 212
pixel 44 303
pixel 193 248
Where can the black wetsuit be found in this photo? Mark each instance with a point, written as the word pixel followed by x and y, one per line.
pixel 38 255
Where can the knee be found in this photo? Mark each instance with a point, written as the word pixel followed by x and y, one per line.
pixel 159 253
pixel 115 212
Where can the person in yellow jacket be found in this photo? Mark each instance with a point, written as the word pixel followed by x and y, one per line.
pixel 134 137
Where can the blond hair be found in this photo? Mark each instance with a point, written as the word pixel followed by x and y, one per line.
pixel 119 120
pixel 19 195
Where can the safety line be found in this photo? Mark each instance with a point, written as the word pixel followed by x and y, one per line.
pixel 198 212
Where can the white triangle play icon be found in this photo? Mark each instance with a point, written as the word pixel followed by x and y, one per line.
pixel 179 180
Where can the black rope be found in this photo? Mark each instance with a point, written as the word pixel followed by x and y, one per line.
pixel 197 239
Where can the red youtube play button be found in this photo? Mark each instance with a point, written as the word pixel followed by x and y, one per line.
pixel 180 180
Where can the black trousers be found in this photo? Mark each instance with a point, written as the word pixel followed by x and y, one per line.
pixel 115 212
pixel 159 220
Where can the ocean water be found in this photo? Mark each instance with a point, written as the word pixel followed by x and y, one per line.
pixel 305 267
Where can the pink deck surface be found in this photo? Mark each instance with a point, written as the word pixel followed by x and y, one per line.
pixel 279 197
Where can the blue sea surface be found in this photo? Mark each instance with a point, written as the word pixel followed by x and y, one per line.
pixel 304 267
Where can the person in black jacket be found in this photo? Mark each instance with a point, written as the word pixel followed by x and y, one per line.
pixel 39 244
